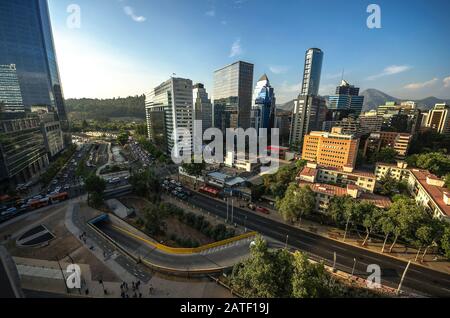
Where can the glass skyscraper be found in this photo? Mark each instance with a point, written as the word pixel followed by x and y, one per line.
pixel 312 72
pixel 263 109
pixel 26 41
pixel 10 95
pixel 233 86
pixel 346 100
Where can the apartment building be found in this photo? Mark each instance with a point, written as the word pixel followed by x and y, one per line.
pixel 438 119
pixel 400 142
pixel 342 177
pixel 325 192
pixel 331 149
pixel 427 189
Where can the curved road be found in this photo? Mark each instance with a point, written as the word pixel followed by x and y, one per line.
pixel 215 259
pixel 418 278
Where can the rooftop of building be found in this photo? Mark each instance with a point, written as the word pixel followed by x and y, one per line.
pixel 332 190
pixel 434 191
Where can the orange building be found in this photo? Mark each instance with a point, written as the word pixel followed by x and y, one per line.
pixel 331 149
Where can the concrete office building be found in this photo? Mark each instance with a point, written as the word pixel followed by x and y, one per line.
pixel 308 115
pixel 400 142
pixel 169 111
pixel 331 149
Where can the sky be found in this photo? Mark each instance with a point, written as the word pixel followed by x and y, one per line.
pixel 112 48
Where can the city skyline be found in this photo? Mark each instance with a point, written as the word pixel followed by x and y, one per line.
pixel 122 57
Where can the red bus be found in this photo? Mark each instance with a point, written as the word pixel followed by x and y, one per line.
pixel 209 191
pixel 59 197
pixel 40 203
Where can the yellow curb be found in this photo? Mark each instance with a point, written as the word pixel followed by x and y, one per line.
pixel 186 251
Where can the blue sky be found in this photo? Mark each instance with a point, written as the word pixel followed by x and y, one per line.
pixel 126 47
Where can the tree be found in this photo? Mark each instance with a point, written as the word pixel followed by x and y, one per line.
pixel 371 217
pixel 154 220
pixel 336 211
pixel 297 202
pixel 387 155
pixel 406 216
pixel 388 227
pixel 388 186
pixel 310 280
pixel 436 162
pixel 428 234
pixel 265 274
pixel 445 241
pixel 123 138
pixel 95 186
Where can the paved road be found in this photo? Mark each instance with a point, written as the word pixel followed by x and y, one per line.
pixel 132 268
pixel 419 279
pixel 221 257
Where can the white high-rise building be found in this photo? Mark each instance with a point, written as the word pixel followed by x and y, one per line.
pixel 170 113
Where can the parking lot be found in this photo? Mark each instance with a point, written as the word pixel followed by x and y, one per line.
pixel 176 189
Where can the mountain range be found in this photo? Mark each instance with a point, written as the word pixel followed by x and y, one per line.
pixel 374 98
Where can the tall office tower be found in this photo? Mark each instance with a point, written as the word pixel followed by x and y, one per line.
pixel 331 149
pixel 233 86
pixel 10 95
pixel 23 155
pixel 312 72
pixel 27 42
pixel 202 106
pixel 264 105
pixel 439 119
pixel 169 109
pixel 309 114
pixel 283 123
pixel 346 100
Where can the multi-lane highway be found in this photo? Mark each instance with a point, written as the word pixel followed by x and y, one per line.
pixel 418 278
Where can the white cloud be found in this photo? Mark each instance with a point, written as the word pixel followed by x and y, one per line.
pixel 278 69
pixel 390 70
pixel 129 11
pixel 236 48
pixel 423 84
pixel 211 13
pixel 446 82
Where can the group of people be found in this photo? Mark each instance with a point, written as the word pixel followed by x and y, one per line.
pixel 125 291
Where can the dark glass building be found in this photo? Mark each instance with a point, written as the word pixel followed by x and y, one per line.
pixel 233 96
pixel 312 72
pixel 26 41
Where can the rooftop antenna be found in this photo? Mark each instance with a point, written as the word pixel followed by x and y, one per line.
pixel 343 72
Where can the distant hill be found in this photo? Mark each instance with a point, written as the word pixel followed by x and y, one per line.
pixel 129 107
pixel 374 98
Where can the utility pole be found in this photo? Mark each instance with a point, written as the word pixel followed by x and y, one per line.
pixel 287 240
pixel 346 228
pixel 354 266
pixel 334 262
pixel 232 211
pixel 403 277
pixel 228 200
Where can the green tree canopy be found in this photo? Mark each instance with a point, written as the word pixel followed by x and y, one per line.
pixel 297 202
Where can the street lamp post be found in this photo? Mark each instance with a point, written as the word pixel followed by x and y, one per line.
pixel 354 266
pixel 403 277
pixel 287 240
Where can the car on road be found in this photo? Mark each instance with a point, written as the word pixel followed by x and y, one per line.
pixel 262 210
